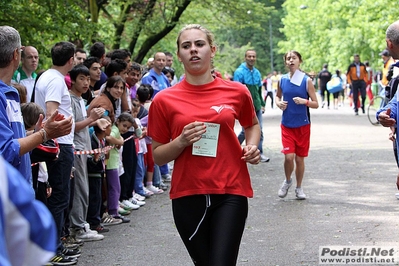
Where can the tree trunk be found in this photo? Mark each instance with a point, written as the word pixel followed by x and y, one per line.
pixel 120 26
pixel 154 39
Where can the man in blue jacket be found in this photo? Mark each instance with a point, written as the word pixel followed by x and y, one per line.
pixel 249 75
pixel 391 119
pixel 155 77
pixel 14 144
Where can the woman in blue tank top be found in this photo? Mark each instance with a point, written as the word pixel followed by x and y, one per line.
pixel 292 97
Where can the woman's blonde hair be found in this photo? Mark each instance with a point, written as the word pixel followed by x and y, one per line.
pixel 209 35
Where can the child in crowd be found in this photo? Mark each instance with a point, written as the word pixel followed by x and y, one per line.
pixel 80 82
pixel 130 167
pixel 141 151
pixel 96 170
pixel 30 113
pixel 169 73
pixel 118 67
pixel 23 94
pixel 144 95
pixel 121 126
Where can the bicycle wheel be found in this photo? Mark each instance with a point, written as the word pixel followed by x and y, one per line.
pixel 375 104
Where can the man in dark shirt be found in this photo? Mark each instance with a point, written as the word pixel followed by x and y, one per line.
pixel 324 77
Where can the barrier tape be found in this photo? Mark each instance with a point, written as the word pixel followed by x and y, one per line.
pixel 105 150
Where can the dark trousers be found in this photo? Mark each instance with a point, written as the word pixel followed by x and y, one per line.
pixel 211 227
pixel 269 94
pixel 59 174
pixel 129 160
pixel 39 187
pixel 67 222
pixel 241 136
pixel 323 90
pixel 95 201
pixel 41 192
pixel 359 86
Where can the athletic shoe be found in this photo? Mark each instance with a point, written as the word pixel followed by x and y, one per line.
pixel 71 242
pixel 299 193
pixel 131 204
pixel 397 195
pixel 60 259
pixel 264 159
pixel 123 218
pixel 166 178
pixel 137 202
pixel 125 206
pixel 284 189
pixel 87 229
pixel 147 192
pixel 138 197
pixel 122 211
pixel 163 186
pixel 71 253
pixel 86 234
pixel 154 190
pixel 108 220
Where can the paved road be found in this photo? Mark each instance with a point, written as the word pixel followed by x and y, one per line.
pixel 350 181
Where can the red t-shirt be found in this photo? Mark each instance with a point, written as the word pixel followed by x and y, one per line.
pixel 220 102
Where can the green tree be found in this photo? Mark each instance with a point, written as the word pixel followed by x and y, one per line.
pixel 45 22
pixel 328 31
pixel 142 27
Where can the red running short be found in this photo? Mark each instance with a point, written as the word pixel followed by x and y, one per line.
pixel 296 140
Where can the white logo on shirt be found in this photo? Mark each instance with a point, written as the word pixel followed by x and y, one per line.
pixel 219 109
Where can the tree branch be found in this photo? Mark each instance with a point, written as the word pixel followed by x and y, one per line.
pixel 155 38
pixel 140 25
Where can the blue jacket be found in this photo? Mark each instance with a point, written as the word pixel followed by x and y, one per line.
pixel 393 105
pixel 12 128
pixel 253 80
pixel 151 78
pixel 27 229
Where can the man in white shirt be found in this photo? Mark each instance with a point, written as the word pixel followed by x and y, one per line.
pixel 51 93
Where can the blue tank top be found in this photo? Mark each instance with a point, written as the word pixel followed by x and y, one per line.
pixel 296 115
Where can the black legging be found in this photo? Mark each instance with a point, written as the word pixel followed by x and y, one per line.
pixel 212 234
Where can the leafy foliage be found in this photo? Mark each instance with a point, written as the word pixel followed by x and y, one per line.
pixel 328 31
pixel 43 23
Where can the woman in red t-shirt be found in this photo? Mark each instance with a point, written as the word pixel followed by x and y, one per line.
pixel 192 123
